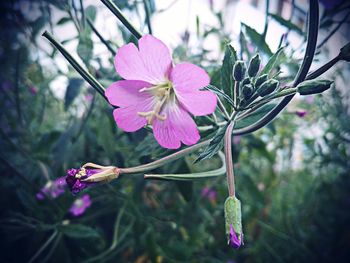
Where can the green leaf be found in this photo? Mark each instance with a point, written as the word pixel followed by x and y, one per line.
pixel 230 58
pixel 287 23
pixel 85 47
pixel 257 39
pixel 63 20
pixel 90 12
pixel 79 231
pixel 220 93
pixel 214 146
pixel 72 91
pixel 272 61
pixel 255 116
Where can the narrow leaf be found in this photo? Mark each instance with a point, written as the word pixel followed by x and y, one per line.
pixel 257 39
pixel 272 61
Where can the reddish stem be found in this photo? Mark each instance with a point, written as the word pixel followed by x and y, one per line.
pixel 228 159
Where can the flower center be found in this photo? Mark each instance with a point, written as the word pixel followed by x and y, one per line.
pixel 81 173
pixel 162 93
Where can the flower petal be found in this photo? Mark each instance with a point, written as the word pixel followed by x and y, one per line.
pixel 187 79
pixel 124 93
pixel 151 63
pixel 176 128
pixel 156 57
pixel 127 118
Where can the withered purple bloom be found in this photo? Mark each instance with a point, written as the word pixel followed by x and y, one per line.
pixel 234 241
pixel 80 205
pixel 52 189
pixel 89 174
pixel 75 179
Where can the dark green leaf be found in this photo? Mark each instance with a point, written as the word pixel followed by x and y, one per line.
pixel 257 39
pixel 286 23
pixel 72 91
pixel 63 20
pixel 90 12
pixel 255 116
pixel 271 63
pixel 215 145
pixel 85 47
pixel 79 231
pixel 226 69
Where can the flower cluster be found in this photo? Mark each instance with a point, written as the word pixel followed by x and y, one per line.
pixel 157 93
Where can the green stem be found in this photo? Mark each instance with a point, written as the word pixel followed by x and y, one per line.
pixel 191 176
pixel 148 16
pixel 43 247
pixel 104 41
pixel 164 160
pixel 84 73
pixel 323 69
pixel 118 13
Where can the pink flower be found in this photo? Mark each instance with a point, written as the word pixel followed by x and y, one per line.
pixel 158 93
pixel 80 205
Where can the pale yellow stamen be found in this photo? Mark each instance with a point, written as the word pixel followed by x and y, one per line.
pixel 162 94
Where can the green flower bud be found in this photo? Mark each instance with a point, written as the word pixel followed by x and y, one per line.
pixel 308 87
pixel 239 70
pixel 247 91
pixel 254 66
pixel 267 87
pixel 260 80
pixel 233 221
pixel 246 81
pixel 345 52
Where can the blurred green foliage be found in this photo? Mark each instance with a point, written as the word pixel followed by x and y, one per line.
pixel 291 212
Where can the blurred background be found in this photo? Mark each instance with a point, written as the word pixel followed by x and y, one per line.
pixel 293 176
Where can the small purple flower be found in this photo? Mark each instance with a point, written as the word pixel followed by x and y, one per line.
pixel 52 189
pixel 75 179
pixel 33 90
pixel 301 113
pixel 236 140
pixel 80 205
pixel 209 193
pixel 234 241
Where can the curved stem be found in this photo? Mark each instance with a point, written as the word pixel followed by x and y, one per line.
pixel 228 159
pixel 301 75
pixel 164 160
pixel 323 69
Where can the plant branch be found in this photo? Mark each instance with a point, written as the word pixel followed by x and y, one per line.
pixel 104 41
pixel 301 75
pixel 118 13
pixel 164 160
pixel 84 73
